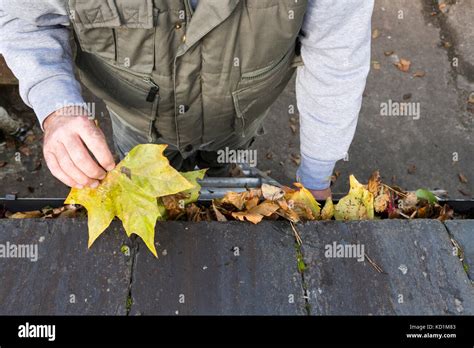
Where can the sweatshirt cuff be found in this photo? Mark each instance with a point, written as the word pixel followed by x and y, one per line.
pixel 53 94
pixel 315 174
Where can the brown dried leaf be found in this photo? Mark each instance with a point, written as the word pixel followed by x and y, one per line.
pixel 424 212
pixel 283 204
pixel 409 202
pixel 462 178
pixel 193 212
pixel 403 65
pixel 272 193
pixel 289 214
pixel 237 199
pixel 419 73
pixel 174 205
pixel 381 202
pixel 253 218
pixel 219 216
pixel 375 34
pixel 266 208
pixel 304 212
pixel 375 183
pixel 288 190
pixel 257 213
pixel 293 128
pixel 446 213
pixel 251 203
pixel 26 215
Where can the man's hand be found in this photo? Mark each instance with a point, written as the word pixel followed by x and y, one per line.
pixel 67 139
pixel 321 195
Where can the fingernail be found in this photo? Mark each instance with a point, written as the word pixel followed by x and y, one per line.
pixel 79 187
pixel 102 177
pixel 94 184
pixel 111 167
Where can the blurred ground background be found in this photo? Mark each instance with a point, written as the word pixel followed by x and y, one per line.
pixel 434 151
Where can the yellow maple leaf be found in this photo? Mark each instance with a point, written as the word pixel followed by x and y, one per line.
pixel 130 192
pixel 328 210
pixel 303 203
pixel 357 205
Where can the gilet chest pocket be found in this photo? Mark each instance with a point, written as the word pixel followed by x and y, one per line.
pixel 119 31
pixel 259 89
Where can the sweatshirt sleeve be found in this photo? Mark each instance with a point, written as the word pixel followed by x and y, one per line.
pixel 34 40
pixel 336 51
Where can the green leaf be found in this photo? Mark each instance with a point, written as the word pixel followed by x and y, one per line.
pixel 426 195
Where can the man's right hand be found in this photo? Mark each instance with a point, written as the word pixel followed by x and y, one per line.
pixel 67 139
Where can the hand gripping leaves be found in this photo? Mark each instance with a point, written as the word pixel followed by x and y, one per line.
pixel 130 192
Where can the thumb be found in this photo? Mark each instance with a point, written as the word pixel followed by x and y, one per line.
pixel 94 139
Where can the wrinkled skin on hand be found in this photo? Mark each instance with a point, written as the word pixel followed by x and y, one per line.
pixel 70 137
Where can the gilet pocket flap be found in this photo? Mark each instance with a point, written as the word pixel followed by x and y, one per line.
pixel 95 13
pixel 113 13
